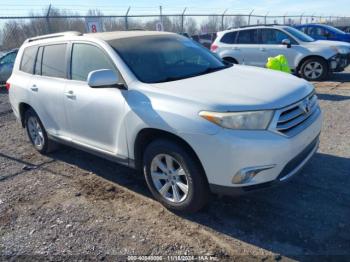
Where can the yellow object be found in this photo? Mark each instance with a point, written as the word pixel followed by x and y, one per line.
pixel 279 63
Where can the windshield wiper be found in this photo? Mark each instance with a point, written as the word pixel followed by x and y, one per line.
pixel 206 71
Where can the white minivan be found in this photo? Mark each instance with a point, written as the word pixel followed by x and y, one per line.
pixel 163 104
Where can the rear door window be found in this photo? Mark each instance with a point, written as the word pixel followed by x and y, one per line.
pixel 248 37
pixel 87 58
pixel 54 61
pixel 229 38
pixel 28 59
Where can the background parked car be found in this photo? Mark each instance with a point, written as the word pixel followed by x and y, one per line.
pixel 253 45
pixel 205 39
pixel 6 65
pixel 324 32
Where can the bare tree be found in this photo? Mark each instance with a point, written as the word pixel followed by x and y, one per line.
pixel 234 21
pixel 211 24
pixel 191 27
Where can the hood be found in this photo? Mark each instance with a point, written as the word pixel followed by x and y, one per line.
pixel 328 43
pixel 238 88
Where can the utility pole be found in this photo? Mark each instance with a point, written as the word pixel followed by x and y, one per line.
pixel 250 16
pixel 182 20
pixel 223 20
pixel 265 20
pixel 301 18
pixel 48 19
pixel 126 19
pixel 161 14
pixel 284 18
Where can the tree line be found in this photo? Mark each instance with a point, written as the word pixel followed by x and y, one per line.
pixel 15 31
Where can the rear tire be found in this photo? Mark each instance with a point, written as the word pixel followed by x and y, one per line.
pixel 230 60
pixel 174 177
pixel 314 69
pixel 37 133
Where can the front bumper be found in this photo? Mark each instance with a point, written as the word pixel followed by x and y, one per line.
pixel 339 62
pixel 293 168
pixel 225 154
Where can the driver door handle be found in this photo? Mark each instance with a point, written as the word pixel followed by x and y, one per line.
pixel 263 49
pixel 70 94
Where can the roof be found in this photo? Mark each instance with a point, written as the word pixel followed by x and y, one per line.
pixel 255 27
pixel 107 36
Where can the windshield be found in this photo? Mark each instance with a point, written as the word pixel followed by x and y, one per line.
pixel 299 35
pixel 156 59
pixel 334 29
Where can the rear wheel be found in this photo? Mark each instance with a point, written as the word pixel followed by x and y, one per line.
pixel 230 60
pixel 314 69
pixel 37 133
pixel 174 177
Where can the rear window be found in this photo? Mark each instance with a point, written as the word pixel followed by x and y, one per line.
pixel 229 38
pixel 54 61
pixel 28 59
pixel 248 37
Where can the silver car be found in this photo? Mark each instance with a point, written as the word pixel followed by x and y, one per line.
pixel 165 105
pixel 311 59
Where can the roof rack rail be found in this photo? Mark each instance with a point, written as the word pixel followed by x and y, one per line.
pixel 68 33
pixel 247 26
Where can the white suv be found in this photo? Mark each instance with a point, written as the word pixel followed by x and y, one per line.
pixel 163 104
pixel 311 59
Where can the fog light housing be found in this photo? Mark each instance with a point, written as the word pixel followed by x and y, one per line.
pixel 334 64
pixel 245 175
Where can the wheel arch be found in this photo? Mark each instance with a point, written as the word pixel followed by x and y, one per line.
pixel 148 135
pixel 230 59
pixel 309 57
pixel 23 108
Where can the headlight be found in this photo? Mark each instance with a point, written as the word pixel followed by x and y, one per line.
pixel 257 120
pixel 341 49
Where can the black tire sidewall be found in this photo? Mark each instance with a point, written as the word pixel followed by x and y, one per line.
pixel 198 190
pixel 30 113
pixel 319 60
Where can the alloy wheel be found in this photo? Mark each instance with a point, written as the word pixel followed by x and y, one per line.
pixel 313 70
pixel 169 178
pixel 35 132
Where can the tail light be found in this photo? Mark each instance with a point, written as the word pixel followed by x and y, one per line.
pixel 7 85
pixel 213 47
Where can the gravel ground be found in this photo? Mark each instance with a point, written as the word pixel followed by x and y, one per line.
pixel 72 205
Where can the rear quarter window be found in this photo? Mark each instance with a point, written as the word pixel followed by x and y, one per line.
pixel 229 38
pixel 28 59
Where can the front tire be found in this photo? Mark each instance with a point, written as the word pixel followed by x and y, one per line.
pixel 37 133
pixel 174 177
pixel 314 69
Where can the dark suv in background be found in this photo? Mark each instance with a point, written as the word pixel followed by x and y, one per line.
pixel 6 64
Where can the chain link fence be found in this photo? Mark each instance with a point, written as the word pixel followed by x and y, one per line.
pixel 15 29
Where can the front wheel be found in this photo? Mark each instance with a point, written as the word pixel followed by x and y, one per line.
pixel 174 177
pixel 314 69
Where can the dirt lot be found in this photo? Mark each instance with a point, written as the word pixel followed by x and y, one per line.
pixel 71 204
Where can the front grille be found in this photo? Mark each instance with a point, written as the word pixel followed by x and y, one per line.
pixel 293 117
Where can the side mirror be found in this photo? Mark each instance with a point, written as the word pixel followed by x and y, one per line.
pixel 287 43
pixel 103 78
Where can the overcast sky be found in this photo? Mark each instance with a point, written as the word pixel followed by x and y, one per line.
pixel 277 7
